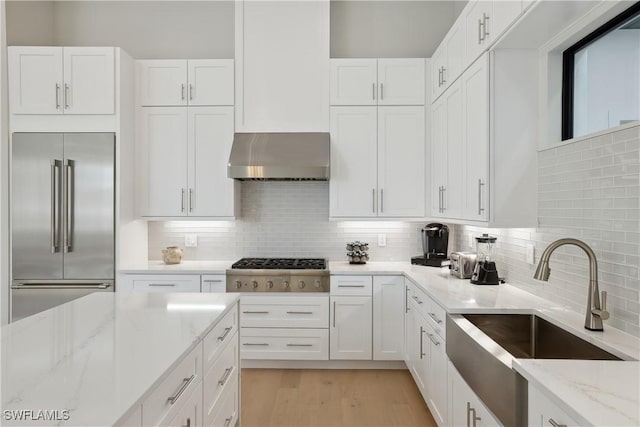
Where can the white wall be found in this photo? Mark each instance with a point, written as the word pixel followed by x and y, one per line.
pixel 381 29
pixel 30 23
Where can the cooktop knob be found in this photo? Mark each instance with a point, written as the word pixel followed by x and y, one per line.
pixel 301 284
pixel 318 283
pixel 269 284
pixel 285 284
pixel 238 284
pixel 254 284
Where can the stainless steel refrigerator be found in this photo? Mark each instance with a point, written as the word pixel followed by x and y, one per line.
pixel 62 218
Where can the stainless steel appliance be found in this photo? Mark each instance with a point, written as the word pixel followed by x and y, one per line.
pixel 62 218
pixel 485 272
pixel 462 264
pixel 435 240
pixel 278 275
pixel 295 156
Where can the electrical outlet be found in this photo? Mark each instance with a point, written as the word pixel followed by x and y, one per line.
pixel 191 240
pixel 382 240
pixel 530 254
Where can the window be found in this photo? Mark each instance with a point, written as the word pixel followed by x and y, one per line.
pixel 601 77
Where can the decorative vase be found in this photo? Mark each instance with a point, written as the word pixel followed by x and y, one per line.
pixel 172 255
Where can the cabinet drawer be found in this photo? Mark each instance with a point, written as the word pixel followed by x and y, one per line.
pixel 166 283
pixel 224 412
pixel 284 312
pixel 214 283
pixel 542 410
pixel 219 336
pixel 222 373
pixel 190 413
pixel 437 317
pixel 352 285
pixel 171 394
pixel 284 344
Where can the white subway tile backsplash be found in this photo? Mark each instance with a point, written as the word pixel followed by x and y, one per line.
pixel 595 201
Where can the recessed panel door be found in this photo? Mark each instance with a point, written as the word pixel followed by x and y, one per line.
pixel 89 80
pixel 163 82
pixel 35 80
pixel 210 82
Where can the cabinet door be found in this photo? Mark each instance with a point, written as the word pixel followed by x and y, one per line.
pixel 475 89
pixel 453 190
pixel 35 80
pixel 162 82
pixel 438 378
pixel 438 158
pixel 354 82
pixel 505 12
pixel 401 161
pixel 408 330
pixel 421 352
pixel 401 81
pixel 353 182
pixel 388 317
pixel 478 21
pixel 89 80
pixel 211 82
pixel 351 328
pixel 210 133
pixel 163 156
pixel 455 45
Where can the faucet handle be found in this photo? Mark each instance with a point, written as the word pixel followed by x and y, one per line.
pixel 602 312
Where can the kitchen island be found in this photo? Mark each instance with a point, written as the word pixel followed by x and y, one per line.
pixel 122 359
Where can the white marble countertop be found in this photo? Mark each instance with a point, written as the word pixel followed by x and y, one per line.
pixel 99 355
pixel 185 267
pixel 592 392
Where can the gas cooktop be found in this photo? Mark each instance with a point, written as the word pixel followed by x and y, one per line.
pixel 280 264
pixel 278 275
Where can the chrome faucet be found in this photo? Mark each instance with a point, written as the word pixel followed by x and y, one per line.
pixel 596 313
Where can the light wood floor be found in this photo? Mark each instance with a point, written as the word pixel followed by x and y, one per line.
pixel 317 397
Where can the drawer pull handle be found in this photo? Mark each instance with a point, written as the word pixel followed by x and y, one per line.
pixel 351 286
pixel 417 299
pixel 299 345
pixel 226 332
pixel 256 343
pixel 185 383
pixel 433 340
pixel 212 281
pixel 225 377
pixel 434 317
pixel 255 312
pixel 299 312
pixel 555 424
pixel 162 284
pixel 227 421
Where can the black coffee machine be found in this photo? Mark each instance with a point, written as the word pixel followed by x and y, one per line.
pixel 435 240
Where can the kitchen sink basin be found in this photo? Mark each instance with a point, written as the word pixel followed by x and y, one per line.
pixel 530 337
pixel 482 347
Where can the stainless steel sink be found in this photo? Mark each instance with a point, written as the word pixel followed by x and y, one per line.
pixel 529 337
pixel 482 348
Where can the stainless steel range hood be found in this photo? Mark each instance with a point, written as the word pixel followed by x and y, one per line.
pixel 280 156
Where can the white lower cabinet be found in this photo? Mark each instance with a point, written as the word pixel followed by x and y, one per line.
pixel 388 317
pixel 159 283
pixel 351 328
pixel 544 413
pixel 466 408
pixel 437 378
pixel 284 327
pixel 191 413
pixel 213 283
pixel 220 389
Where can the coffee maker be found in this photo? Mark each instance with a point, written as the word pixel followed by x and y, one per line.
pixel 435 239
pixel 485 272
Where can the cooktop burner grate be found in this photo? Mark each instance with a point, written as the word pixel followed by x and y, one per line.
pixel 280 264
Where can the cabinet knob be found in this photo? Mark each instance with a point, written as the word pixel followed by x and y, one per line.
pixel 254 284
pixel 301 284
pixel 269 284
pixel 238 284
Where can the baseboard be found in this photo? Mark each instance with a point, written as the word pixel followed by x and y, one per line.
pixel 323 364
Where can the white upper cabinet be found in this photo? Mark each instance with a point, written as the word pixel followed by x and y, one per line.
pixel 210 135
pixel 354 81
pixel 353 183
pixel 163 82
pixel 448 61
pixel 452 191
pixel 62 80
pixel 486 21
pixel 210 81
pixel 401 154
pixel 163 153
pixel 378 81
pixel 475 89
pixel 201 82
pixel 401 81
pixel 89 80
pixel 438 157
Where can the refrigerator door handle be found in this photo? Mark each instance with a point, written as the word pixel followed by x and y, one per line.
pixel 69 195
pixel 79 286
pixel 55 205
